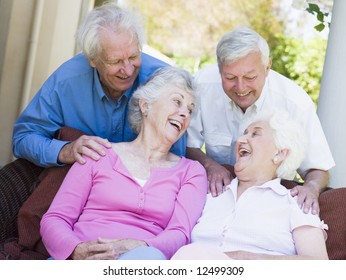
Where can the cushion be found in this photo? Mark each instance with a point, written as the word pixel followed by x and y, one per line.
pixel 333 212
pixel 17 182
pixel 37 204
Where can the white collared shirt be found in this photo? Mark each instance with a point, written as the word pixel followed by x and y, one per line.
pixel 260 221
pixel 218 122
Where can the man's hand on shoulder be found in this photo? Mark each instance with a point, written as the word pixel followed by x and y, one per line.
pixel 315 181
pixel 91 146
pixel 219 177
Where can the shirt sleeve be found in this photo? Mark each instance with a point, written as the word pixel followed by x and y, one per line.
pixel 299 218
pixel 188 208
pixel 57 223
pixel 35 128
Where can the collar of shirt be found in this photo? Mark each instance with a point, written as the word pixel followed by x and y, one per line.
pixel 274 184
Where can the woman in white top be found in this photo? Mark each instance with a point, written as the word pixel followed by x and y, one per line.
pixel 256 217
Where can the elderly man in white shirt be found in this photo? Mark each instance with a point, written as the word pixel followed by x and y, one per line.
pixel 235 91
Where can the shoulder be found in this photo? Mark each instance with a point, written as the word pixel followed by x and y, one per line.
pixel 191 166
pixel 149 65
pixel 279 82
pixel 108 159
pixel 281 88
pixel 75 71
pixel 76 66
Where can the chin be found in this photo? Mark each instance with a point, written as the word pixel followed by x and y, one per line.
pixel 238 167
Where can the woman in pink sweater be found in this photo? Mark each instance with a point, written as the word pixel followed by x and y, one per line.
pixel 139 201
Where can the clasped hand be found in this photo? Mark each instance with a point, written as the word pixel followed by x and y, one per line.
pixel 104 248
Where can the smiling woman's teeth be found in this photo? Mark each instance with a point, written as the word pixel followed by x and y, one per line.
pixel 244 152
pixel 176 124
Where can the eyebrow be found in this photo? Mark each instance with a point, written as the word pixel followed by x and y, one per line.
pixel 183 97
pixel 255 128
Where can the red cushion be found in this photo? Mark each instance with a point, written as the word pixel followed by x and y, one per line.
pixel 37 204
pixel 333 212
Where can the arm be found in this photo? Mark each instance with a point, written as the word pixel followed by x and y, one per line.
pixel 188 207
pixel 57 224
pixel 309 242
pixel 315 181
pixel 34 130
pixel 318 160
pixel 218 176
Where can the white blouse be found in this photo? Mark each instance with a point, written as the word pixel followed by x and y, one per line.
pixel 261 221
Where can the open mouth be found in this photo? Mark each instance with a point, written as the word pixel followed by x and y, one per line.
pixel 243 152
pixel 176 124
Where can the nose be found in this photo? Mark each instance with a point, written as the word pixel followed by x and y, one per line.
pixel 242 139
pixel 184 111
pixel 240 86
pixel 127 68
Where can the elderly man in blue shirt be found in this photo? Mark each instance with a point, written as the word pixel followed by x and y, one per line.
pixel 89 92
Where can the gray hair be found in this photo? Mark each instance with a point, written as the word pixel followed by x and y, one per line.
pixel 107 16
pixel 151 90
pixel 240 42
pixel 288 134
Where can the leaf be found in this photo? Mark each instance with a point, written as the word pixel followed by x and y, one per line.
pixel 320 17
pixel 319 27
pixel 313 8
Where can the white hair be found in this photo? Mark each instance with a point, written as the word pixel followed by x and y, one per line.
pixel 288 134
pixel 107 16
pixel 152 89
pixel 240 42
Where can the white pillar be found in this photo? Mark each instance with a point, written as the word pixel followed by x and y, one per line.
pixel 332 99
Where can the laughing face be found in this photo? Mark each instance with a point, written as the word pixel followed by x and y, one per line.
pixel 256 151
pixel 170 115
pixel 243 80
pixel 118 63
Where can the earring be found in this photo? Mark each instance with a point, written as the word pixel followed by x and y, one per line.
pixel 275 160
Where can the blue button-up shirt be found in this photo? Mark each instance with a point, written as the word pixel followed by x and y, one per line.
pixel 73 96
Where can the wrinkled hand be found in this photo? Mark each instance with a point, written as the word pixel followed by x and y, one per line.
pixel 91 146
pixel 307 198
pixel 82 252
pixel 105 249
pixel 218 178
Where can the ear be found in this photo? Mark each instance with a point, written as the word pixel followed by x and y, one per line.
pixel 92 63
pixel 280 156
pixel 269 65
pixel 144 106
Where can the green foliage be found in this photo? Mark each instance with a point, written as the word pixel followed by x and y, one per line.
pixel 320 15
pixel 301 61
